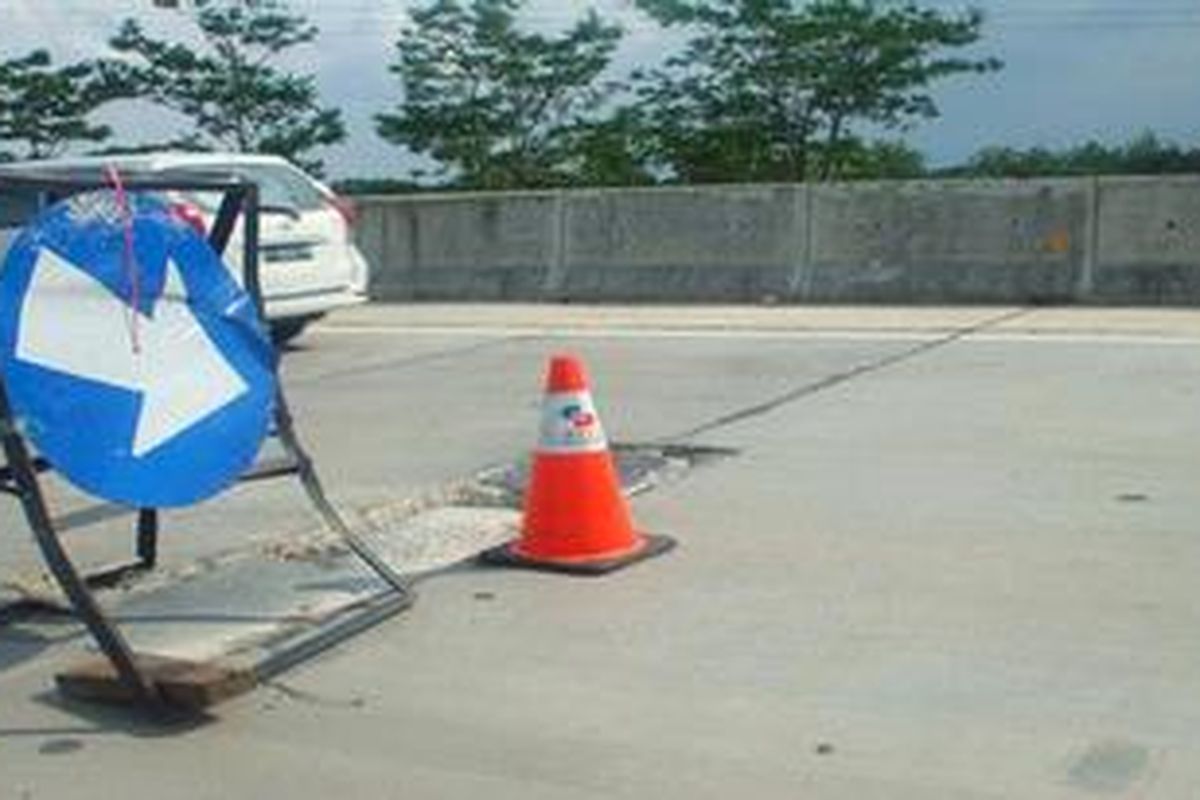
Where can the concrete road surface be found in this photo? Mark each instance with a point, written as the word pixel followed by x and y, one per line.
pixel 955 557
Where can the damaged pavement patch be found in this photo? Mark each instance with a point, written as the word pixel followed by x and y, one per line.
pixel 243 607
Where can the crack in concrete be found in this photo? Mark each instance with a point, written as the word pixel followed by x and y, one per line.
pixel 408 361
pixel 839 378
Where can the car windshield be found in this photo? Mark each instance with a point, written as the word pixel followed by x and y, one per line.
pixel 279 187
pixel 17 206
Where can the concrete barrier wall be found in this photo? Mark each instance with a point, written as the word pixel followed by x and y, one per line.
pixel 1088 240
pixel 951 242
pixel 477 247
pixel 679 244
pixel 1148 241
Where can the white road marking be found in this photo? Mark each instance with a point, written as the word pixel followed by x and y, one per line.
pixel 1003 337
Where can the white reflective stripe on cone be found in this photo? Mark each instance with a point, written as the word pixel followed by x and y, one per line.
pixel 570 424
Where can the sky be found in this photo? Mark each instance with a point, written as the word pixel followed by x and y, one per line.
pixel 1074 69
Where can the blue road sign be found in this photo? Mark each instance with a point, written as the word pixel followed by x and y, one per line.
pixel 147 381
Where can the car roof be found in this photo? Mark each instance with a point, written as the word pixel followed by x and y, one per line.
pixel 150 162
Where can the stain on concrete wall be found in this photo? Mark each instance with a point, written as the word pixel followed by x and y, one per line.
pixel 737 244
pixel 947 241
pixel 473 247
pixel 1148 247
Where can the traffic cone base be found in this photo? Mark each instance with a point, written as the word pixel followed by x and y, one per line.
pixel 646 546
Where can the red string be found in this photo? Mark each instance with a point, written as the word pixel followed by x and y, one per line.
pixel 129 257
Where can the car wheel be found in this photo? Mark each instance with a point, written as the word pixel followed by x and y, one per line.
pixel 284 331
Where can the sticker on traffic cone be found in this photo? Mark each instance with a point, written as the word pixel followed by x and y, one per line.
pixel 576 519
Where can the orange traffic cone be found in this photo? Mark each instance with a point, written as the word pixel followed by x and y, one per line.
pixel 576 519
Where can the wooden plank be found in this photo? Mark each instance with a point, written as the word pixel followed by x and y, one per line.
pixel 183 684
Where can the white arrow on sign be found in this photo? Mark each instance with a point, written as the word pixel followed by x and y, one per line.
pixel 72 323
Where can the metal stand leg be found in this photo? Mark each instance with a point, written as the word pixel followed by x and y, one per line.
pixel 316 493
pixel 107 637
pixel 147 537
pixel 283 418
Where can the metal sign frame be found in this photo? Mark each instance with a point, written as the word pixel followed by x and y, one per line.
pixel 21 470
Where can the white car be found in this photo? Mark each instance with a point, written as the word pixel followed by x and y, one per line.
pixel 308 264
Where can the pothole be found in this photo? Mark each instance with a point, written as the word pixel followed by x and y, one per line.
pixel 640 468
pixel 460 521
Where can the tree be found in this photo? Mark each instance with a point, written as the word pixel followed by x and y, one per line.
pixel 1008 162
pixel 1144 155
pixel 611 152
pixel 776 89
pixel 228 88
pixel 495 106
pixel 44 108
pixel 883 160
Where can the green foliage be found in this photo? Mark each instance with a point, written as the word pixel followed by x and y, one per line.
pixel 44 108
pixel 363 186
pixel 190 143
pixel 1144 155
pixel 497 107
pixel 611 152
pixel 774 90
pixel 234 96
pixel 885 160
